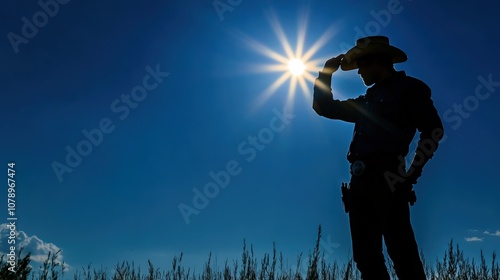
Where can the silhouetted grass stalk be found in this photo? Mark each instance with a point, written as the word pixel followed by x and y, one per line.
pixel 453 266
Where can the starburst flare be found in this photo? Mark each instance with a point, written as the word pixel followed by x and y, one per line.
pixel 296 65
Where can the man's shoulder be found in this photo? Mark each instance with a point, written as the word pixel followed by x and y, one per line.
pixel 414 85
pixel 415 81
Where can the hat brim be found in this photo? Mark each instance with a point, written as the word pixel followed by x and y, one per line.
pixel 352 55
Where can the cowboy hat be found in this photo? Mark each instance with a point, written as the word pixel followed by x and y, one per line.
pixel 371 45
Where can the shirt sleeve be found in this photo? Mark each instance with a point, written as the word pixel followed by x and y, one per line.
pixel 325 105
pixel 427 121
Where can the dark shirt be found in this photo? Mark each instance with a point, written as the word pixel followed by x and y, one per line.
pixel 386 117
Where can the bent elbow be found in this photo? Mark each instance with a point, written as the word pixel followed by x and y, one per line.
pixel 317 108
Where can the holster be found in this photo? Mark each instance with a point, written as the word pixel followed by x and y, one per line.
pixel 346 196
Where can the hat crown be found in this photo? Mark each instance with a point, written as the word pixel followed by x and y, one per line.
pixel 371 45
pixel 363 42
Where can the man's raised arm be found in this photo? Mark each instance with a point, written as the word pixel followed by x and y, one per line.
pixel 323 102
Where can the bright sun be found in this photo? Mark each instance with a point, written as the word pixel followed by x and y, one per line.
pixel 295 65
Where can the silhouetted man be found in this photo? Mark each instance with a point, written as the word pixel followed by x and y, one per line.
pixel 386 119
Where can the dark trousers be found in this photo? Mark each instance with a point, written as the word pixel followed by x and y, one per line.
pixel 377 213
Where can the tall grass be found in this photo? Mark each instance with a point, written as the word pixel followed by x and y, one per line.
pixel 453 266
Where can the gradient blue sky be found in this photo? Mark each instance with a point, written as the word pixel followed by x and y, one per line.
pixel 121 202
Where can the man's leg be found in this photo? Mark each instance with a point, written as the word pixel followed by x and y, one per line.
pixel 401 244
pixel 366 234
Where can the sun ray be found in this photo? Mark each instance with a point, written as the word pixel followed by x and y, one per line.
pixel 309 77
pixel 325 37
pixel 301 38
pixel 291 91
pixel 269 68
pixel 316 65
pixel 272 88
pixel 281 35
pixel 306 91
pixel 259 47
pixel 303 86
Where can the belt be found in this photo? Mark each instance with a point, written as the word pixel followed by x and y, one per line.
pixel 373 166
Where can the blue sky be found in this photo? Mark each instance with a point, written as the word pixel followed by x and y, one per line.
pixel 171 92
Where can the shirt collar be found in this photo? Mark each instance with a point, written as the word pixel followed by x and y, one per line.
pixel 393 77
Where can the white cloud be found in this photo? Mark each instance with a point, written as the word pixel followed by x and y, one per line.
pixel 473 239
pixel 38 248
pixel 497 233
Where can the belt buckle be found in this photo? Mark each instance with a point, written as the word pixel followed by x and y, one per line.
pixel 358 168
